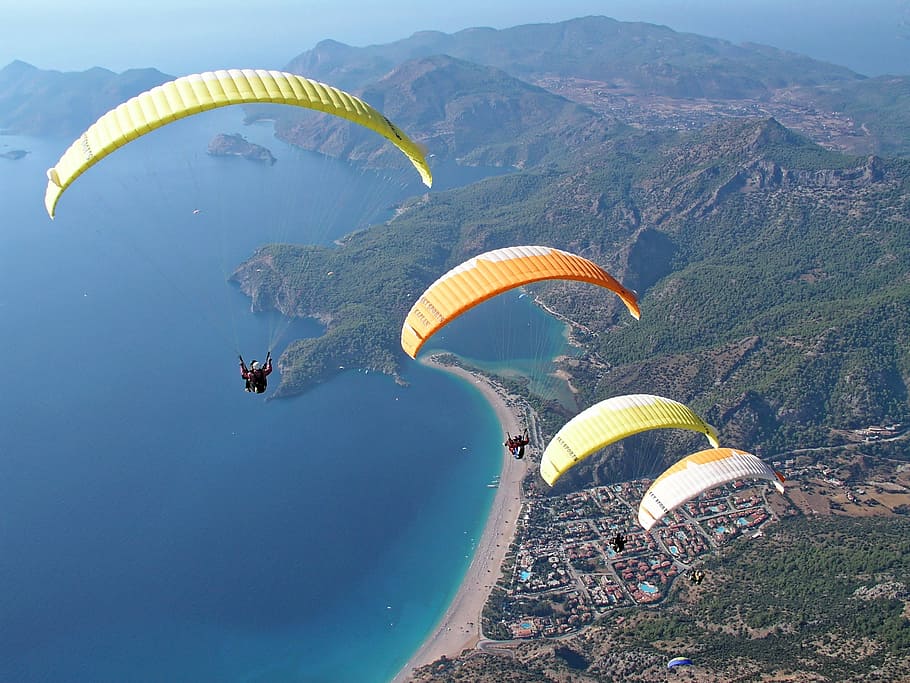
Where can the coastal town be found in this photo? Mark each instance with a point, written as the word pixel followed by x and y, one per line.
pixel 566 572
pixel 561 574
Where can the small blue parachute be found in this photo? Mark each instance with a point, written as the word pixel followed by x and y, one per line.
pixel 679 661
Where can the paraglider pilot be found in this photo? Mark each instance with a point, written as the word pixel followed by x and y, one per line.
pixel 516 444
pixel 618 543
pixel 256 374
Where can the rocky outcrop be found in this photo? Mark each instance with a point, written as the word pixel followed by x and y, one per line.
pixel 748 419
pixel 260 280
pixel 225 145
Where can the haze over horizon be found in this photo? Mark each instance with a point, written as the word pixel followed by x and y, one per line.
pixel 178 37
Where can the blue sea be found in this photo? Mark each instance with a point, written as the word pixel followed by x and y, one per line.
pixel 159 524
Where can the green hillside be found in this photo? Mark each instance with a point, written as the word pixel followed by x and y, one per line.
pixel 772 277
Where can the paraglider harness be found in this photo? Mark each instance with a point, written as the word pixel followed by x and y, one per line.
pixel 516 444
pixel 697 576
pixel 256 381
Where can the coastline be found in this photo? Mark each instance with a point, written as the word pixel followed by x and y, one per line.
pixel 459 628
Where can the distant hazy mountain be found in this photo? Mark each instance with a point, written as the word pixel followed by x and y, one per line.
pixel 651 58
pixel 476 114
pixel 651 76
pixel 486 96
pixel 38 102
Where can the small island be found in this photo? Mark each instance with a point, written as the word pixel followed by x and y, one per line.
pixel 13 154
pixel 223 145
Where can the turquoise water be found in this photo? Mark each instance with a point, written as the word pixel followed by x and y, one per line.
pixel 646 587
pixel 157 523
pixel 511 336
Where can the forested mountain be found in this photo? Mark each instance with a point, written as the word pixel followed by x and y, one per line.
pixel 459 110
pixel 772 277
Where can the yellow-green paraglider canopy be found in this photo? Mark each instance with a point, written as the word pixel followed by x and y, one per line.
pixel 614 419
pixel 196 93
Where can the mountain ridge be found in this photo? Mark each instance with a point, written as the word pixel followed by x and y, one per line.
pixel 784 349
pixel 54 103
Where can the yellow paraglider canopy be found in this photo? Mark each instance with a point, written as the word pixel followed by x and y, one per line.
pixel 612 420
pixel 196 93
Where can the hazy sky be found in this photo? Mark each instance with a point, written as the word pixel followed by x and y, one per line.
pixel 184 36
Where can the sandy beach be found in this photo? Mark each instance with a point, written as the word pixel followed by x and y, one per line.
pixel 459 628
